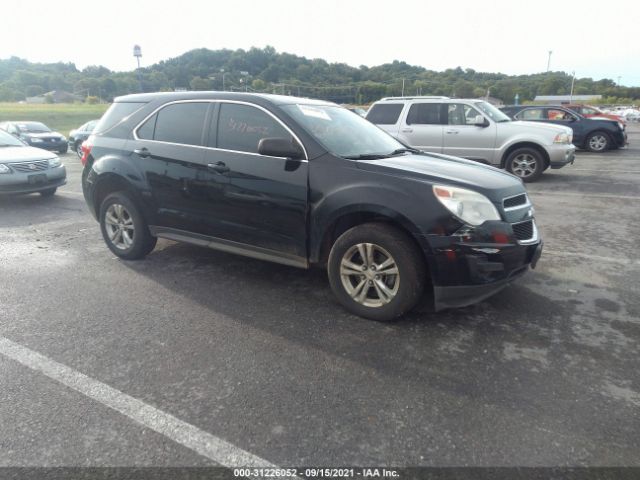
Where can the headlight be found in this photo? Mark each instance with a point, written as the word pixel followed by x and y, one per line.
pixel 54 162
pixel 562 138
pixel 35 140
pixel 4 168
pixel 471 207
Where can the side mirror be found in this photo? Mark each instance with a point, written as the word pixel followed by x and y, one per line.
pixel 280 147
pixel 480 121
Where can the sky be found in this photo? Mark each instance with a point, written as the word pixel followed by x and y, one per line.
pixel 511 37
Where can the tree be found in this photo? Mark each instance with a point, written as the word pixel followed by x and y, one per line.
pixel 199 83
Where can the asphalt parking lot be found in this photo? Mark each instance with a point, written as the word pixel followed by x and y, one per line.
pixel 260 358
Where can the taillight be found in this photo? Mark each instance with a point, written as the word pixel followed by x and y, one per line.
pixel 86 150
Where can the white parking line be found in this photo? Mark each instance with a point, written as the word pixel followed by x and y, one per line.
pixel 69 192
pixel 204 443
pixel 604 171
pixel 593 258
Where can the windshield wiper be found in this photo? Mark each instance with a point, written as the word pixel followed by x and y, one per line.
pixel 404 150
pixel 367 156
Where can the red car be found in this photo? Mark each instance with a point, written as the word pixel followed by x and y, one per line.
pixel 591 111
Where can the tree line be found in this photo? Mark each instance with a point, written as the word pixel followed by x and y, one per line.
pixel 265 70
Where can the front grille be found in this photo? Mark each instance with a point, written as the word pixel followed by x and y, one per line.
pixel 523 230
pixel 515 201
pixel 27 167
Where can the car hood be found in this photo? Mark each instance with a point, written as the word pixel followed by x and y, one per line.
pixel 41 135
pixel 550 128
pixel 23 154
pixel 447 170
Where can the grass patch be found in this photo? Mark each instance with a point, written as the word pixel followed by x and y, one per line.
pixel 60 117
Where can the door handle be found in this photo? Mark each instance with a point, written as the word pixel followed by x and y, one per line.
pixel 407 130
pixel 453 132
pixel 142 152
pixel 219 167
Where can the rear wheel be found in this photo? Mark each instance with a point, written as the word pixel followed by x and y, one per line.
pixel 598 142
pixel 526 163
pixel 376 271
pixel 123 227
pixel 78 149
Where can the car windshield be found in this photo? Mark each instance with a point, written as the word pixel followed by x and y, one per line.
pixel 343 133
pixel 492 112
pixel 33 127
pixel 8 140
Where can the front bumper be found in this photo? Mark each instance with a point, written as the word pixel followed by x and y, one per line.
pixel 21 183
pixel 561 155
pixel 56 146
pixel 465 271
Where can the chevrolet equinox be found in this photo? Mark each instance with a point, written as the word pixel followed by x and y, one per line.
pixel 304 182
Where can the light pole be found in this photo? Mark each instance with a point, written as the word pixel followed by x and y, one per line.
pixel 573 79
pixel 223 74
pixel 245 80
pixel 137 52
pixel 549 60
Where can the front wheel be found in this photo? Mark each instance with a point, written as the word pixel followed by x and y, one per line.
pixel 598 142
pixel 526 163
pixel 49 192
pixel 123 227
pixel 78 149
pixel 376 271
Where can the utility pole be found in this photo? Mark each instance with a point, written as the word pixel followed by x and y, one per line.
pixel 572 83
pixel 402 87
pixel 549 60
pixel 137 52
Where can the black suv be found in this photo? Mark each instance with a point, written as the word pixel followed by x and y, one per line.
pixel 303 183
pixel 596 135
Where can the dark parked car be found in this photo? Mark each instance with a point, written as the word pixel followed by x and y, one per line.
pixel 36 134
pixel 304 183
pixel 79 135
pixel 25 169
pixel 589 134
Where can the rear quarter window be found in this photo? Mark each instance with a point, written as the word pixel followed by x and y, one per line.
pixel 385 113
pixel 117 113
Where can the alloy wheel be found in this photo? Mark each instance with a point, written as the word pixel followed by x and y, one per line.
pixel 524 165
pixel 119 226
pixel 598 143
pixel 369 274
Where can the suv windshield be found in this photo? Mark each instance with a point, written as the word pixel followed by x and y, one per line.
pixel 343 133
pixel 492 112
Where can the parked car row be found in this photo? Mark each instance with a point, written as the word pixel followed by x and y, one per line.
pixel 476 130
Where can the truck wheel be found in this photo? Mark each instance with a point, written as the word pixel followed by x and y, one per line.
pixel 526 163
pixel 123 227
pixel 376 271
pixel 598 142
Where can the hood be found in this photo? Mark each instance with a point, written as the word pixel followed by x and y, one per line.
pixel 41 135
pixel 23 154
pixel 541 127
pixel 447 170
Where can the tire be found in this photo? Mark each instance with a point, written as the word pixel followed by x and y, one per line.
pixel 526 164
pixel 78 149
pixel 123 227
pixel 64 150
pixel 597 142
pixel 383 297
pixel 49 192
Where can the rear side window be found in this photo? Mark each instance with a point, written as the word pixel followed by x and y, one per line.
pixel 178 123
pixel 116 113
pixel 531 114
pixel 385 113
pixel 424 114
pixel 241 127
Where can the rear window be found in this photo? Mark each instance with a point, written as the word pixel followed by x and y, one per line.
pixel 425 114
pixel 385 113
pixel 116 113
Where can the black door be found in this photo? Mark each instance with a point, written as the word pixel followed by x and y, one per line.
pixel 170 153
pixel 263 201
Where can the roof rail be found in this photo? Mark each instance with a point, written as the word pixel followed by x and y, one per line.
pixel 425 97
